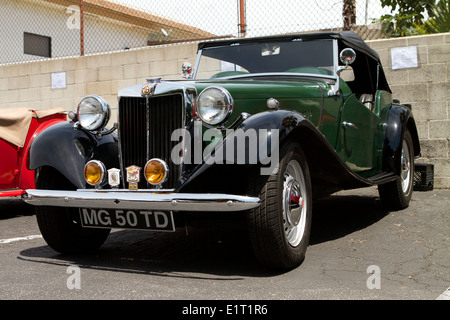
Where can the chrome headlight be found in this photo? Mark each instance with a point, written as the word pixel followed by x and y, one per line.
pixel 93 113
pixel 214 105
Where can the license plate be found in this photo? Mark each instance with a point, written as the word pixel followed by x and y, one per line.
pixel 127 219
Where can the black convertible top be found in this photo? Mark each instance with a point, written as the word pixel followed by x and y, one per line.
pixel 345 38
pixel 349 38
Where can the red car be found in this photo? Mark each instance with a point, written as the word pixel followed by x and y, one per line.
pixel 18 128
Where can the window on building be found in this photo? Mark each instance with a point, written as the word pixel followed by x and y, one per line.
pixel 37 45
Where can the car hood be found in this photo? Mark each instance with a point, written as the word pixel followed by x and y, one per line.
pixel 241 89
pixel 257 89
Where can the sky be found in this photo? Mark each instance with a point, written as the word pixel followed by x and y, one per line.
pixel 263 16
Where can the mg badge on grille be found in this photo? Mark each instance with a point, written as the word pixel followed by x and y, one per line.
pixel 148 89
pixel 133 177
pixel 114 177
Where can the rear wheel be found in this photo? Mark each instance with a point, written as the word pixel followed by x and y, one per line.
pixel 60 226
pixel 280 228
pixel 397 194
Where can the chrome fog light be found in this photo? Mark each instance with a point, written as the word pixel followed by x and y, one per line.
pixel 94 172
pixel 156 172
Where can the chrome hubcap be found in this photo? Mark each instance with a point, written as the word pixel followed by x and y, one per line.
pixel 294 203
pixel 405 173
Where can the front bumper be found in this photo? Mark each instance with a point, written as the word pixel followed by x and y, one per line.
pixel 163 200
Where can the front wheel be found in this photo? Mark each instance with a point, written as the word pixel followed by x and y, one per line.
pixel 61 227
pixel 397 194
pixel 280 227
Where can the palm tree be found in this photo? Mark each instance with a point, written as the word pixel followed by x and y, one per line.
pixel 440 18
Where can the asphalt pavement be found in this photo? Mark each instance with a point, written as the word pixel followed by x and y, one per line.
pixel 358 251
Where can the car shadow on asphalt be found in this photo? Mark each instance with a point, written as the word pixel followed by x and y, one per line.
pixel 10 208
pixel 339 215
pixel 219 251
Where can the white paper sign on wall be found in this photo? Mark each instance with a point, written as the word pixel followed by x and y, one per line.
pixel 58 80
pixel 404 58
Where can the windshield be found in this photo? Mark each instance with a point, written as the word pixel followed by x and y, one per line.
pixel 291 56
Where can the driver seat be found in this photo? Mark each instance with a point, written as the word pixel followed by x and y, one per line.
pixel 367 100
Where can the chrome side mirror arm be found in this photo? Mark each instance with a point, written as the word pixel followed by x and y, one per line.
pixel 347 57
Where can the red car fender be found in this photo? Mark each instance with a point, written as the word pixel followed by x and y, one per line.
pixel 26 180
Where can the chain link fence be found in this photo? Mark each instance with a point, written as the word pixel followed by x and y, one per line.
pixel 37 29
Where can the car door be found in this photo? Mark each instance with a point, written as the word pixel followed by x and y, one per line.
pixel 8 165
pixel 357 136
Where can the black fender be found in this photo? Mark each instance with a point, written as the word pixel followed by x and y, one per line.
pixel 67 150
pixel 237 157
pixel 328 172
pixel 399 118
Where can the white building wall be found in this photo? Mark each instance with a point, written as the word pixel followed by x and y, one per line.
pixel 40 17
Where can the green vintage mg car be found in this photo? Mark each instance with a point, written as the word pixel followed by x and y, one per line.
pixel 260 126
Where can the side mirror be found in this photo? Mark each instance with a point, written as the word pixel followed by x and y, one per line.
pixel 347 57
pixel 186 70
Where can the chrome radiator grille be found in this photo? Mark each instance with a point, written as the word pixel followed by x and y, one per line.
pixel 140 142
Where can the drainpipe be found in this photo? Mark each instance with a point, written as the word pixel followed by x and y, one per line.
pixel 242 25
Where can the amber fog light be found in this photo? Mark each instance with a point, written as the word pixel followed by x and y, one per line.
pixel 156 171
pixel 94 172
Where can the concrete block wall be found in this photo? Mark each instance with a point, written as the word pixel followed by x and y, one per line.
pixel 29 84
pixel 426 87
